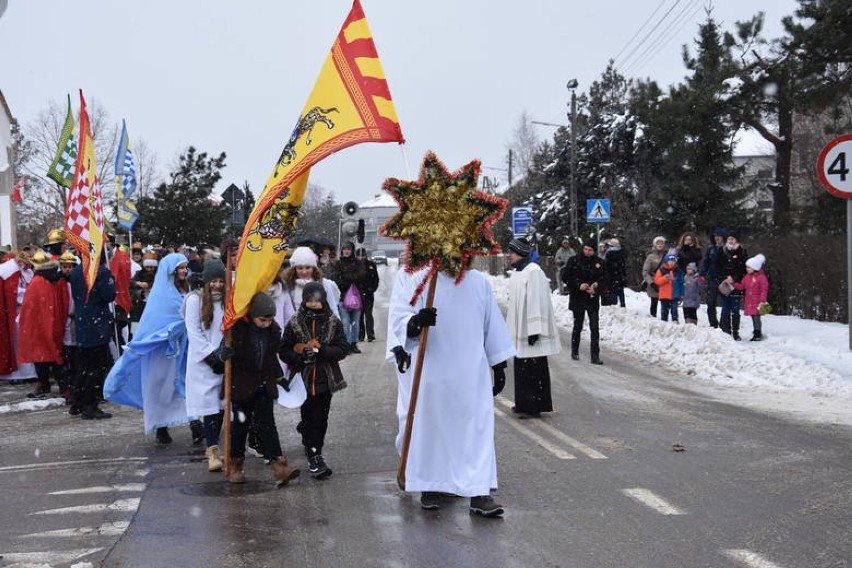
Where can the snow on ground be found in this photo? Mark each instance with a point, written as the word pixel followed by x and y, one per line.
pixel 37 404
pixel 803 368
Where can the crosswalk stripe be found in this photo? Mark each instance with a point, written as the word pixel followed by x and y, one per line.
pixel 558 452
pixel 652 500
pixel 102 489
pixel 119 505
pixel 751 559
pixel 107 529
pixel 51 465
pixel 576 444
pixel 47 557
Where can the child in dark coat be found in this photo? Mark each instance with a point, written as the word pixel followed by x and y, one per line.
pixel 691 294
pixel 312 345
pixel 255 373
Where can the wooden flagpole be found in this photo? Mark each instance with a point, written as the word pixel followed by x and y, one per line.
pixel 415 388
pixel 226 380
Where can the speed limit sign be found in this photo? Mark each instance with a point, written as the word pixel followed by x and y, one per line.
pixel 834 166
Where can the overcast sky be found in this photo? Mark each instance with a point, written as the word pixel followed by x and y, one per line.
pixel 233 76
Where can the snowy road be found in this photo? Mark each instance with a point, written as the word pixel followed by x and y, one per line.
pixel 598 483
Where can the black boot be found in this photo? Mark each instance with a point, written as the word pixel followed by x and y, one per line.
pixel 163 436
pixel 353 348
pixel 735 327
pixel 757 336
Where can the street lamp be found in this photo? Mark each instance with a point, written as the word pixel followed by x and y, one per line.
pixel 572 117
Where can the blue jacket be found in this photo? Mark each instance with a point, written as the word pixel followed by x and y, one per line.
pixel 93 318
pixel 710 270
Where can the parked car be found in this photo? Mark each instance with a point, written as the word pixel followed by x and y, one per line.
pixel 379 257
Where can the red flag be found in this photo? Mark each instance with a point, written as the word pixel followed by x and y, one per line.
pixel 18 190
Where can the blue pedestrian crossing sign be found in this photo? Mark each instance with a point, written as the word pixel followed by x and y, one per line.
pixel 597 211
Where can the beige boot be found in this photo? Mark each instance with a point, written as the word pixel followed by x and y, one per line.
pixel 214 460
pixel 284 473
pixel 237 475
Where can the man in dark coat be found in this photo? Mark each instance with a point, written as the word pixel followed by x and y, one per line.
pixel 582 276
pixel 371 284
pixel 710 273
pixel 95 328
pixel 616 266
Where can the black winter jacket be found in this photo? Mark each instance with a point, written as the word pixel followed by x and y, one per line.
pixel 582 269
pixel 255 362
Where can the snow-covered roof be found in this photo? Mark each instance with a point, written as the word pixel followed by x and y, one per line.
pixel 380 200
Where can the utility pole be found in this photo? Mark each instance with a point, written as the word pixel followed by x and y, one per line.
pixel 572 85
pixel 511 157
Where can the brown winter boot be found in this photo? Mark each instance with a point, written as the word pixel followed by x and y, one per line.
pixel 236 474
pixel 284 473
pixel 214 460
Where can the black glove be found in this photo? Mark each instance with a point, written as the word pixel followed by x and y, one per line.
pixel 532 339
pixel 403 358
pixel 214 363
pixel 285 383
pixel 424 318
pixel 499 371
pixel 223 353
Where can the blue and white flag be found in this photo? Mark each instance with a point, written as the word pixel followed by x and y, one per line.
pixel 125 173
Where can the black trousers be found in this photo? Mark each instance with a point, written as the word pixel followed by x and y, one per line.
pixel 260 408
pixel 579 316
pixel 93 365
pixel 314 422
pixel 712 297
pixel 366 328
pixel 43 371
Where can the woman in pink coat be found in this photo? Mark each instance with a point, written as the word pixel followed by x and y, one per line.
pixel 756 288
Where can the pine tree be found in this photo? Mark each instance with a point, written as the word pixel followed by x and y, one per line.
pixel 182 211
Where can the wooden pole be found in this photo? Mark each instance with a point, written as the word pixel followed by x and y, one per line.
pixel 415 388
pixel 226 381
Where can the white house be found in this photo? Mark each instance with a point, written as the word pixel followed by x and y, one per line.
pixel 7 176
pixel 375 212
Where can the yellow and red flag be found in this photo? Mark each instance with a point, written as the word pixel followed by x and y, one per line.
pixel 350 104
pixel 84 213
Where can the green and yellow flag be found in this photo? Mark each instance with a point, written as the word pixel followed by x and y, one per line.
pixel 350 104
pixel 61 169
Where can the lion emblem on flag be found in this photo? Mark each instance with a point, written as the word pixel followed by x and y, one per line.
pixel 275 223
pixel 304 128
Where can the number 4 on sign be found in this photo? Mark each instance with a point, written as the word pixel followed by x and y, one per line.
pixel 832 168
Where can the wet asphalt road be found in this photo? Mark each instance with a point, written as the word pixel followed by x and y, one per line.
pixel 595 484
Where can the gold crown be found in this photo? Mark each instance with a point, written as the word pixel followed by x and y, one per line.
pixel 55 236
pixel 68 258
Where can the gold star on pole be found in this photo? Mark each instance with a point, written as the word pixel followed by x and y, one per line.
pixel 444 218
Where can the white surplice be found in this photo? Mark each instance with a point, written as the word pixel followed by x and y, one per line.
pixel 452 442
pixel 530 312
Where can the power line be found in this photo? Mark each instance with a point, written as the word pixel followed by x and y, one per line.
pixel 642 27
pixel 665 37
pixel 651 31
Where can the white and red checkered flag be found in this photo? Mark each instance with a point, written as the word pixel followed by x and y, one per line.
pixel 84 215
pixel 18 190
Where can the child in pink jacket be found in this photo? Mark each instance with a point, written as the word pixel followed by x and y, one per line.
pixel 756 288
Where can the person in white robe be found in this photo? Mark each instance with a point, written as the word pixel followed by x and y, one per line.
pixel 452 441
pixel 203 368
pixel 530 318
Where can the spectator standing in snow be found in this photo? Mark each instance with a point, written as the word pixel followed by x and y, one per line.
pixel 561 257
pixel 669 281
pixel 731 267
pixel 756 288
pixel 649 269
pixel 616 267
pixel 691 294
pixel 688 250
pixel 583 276
pixel 710 273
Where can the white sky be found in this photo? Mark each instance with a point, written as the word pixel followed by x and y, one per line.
pixel 233 76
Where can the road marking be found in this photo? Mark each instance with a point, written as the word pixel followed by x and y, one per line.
pixel 48 465
pixel 120 505
pixel 107 529
pixel 102 489
pixel 576 444
pixel 650 499
pixel 559 453
pixel 49 557
pixel 750 558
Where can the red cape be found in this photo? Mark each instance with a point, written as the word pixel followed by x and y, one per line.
pixel 42 321
pixel 8 299
pixel 120 268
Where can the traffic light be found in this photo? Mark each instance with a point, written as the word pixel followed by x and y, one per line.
pixel 360 231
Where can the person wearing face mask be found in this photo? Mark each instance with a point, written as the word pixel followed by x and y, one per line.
pixel 202 311
pixel 313 344
pixel 150 374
